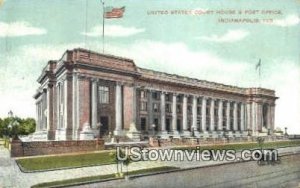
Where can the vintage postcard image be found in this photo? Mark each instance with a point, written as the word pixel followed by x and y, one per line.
pixel 149 93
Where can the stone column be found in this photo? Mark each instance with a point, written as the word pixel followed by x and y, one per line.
pixel 254 117
pixel 272 117
pixel 50 112
pixel 134 114
pixel 184 116
pixel 220 114
pixel 228 116
pixel 37 118
pixel 235 119
pixel 75 102
pixel 66 107
pixel 44 110
pixel 248 117
pixel 94 104
pixel 150 110
pixel 163 113
pixel 203 120
pixel 174 115
pixel 259 117
pixel 242 123
pixel 194 114
pixel 118 103
pixel 212 115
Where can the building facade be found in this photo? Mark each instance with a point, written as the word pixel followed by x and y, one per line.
pixel 108 93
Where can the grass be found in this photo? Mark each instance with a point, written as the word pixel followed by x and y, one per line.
pixel 106 157
pixel 242 146
pixel 94 179
pixel 66 161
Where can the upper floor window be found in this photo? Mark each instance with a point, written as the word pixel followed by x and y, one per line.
pixel 168 108
pixel 143 94
pixel 155 107
pixel 103 94
pixel 156 95
pixel 143 106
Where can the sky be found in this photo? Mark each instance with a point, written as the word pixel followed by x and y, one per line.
pixel 190 38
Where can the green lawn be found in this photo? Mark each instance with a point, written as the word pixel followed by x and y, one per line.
pixel 94 179
pixel 242 146
pixel 106 157
pixel 65 161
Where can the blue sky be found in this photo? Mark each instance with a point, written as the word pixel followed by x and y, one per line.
pixel 35 31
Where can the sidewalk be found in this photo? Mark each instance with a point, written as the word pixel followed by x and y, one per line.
pixel 11 176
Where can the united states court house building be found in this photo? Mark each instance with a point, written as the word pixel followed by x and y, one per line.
pixel 89 92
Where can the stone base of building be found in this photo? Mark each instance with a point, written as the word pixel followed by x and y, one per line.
pixel 163 134
pixel 175 134
pixel 119 133
pixel 39 136
pixel 205 134
pixel 186 133
pixel 61 134
pixel 196 133
pixel 87 133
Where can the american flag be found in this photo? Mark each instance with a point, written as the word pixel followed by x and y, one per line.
pixel 111 12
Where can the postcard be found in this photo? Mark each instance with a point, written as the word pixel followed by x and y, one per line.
pixel 149 93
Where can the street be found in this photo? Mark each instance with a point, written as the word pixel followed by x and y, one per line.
pixel 247 174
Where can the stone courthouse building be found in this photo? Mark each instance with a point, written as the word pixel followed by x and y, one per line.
pixel 107 93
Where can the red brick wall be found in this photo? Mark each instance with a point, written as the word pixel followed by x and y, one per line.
pixel 19 148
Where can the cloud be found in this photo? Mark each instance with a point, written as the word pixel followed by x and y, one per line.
pixel 113 31
pixel 229 36
pixel 19 71
pixel 290 20
pixel 17 29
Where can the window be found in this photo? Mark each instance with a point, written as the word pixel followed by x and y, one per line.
pixel 168 108
pixel 155 107
pixel 143 94
pixel 143 106
pixel 178 109
pixel 155 96
pixel 199 110
pixel 103 94
pixel 168 97
pixel 178 98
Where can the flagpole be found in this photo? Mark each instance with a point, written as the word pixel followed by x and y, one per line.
pixel 103 26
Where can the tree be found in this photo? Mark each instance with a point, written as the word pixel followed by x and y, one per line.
pixel 23 126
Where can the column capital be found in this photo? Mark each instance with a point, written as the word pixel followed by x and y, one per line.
pixel 94 79
pixel 195 96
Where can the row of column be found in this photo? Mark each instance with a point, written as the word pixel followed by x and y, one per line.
pixel 203 114
pixel 41 108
